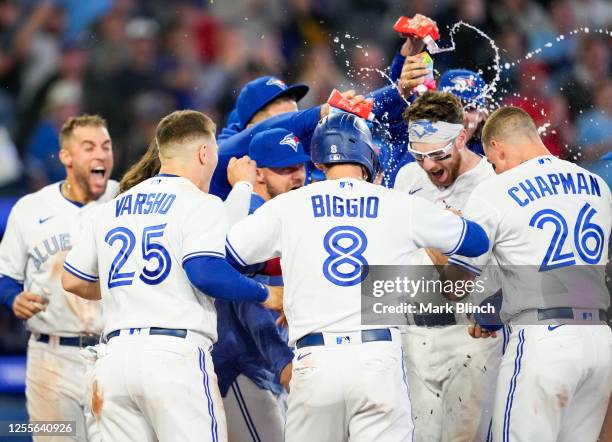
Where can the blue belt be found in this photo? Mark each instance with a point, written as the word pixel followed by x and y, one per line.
pixel 176 332
pixel 435 319
pixel 77 341
pixel 315 339
pixel 564 313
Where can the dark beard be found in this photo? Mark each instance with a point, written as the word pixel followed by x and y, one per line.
pixel 81 181
pixel 273 193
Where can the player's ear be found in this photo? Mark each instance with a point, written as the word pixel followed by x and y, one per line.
pixel 65 157
pixel 462 139
pixel 259 175
pixel 499 148
pixel 202 154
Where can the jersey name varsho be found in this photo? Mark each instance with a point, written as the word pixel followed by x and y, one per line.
pixel 336 206
pixel 144 204
pixel 553 184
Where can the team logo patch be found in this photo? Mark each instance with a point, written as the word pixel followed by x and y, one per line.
pixel 291 141
pixel 343 340
pixel 276 82
pixel 421 128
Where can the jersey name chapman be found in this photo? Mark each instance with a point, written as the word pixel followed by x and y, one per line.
pixel 553 184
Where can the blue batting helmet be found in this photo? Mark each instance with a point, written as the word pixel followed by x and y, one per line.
pixel 465 84
pixel 344 138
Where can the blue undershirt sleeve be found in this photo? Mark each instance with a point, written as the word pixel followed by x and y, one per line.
pixel 217 278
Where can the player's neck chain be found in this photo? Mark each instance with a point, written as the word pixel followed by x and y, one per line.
pixel 66 190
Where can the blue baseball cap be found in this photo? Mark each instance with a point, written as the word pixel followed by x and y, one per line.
pixel 277 148
pixel 607 157
pixel 464 84
pixel 263 90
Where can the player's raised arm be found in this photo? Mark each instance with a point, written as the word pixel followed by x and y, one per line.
pixel 241 176
pixel 479 211
pixel 441 229
pixel 256 238
pixel 203 259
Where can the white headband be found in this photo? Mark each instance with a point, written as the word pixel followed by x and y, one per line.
pixel 423 131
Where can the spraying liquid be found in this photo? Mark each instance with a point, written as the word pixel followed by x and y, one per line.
pixel 491 88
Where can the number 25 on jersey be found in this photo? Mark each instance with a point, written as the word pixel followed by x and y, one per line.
pixel 150 249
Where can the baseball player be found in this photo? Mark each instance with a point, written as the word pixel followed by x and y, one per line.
pixel 348 379
pixel 252 358
pixel 268 102
pixel 549 224
pixel 465 84
pixel 40 231
pixel 445 366
pixel 151 255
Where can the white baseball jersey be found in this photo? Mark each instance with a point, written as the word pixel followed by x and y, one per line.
pixel 473 362
pixel 325 232
pixel 548 214
pixel 40 230
pixel 412 179
pixel 136 247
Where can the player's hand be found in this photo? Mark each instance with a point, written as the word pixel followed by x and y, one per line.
pixel 27 304
pixel 351 95
pixel 413 74
pixel 413 45
pixel 242 169
pixel 285 376
pixel 281 321
pixel 438 258
pixel 476 332
pixel 275 298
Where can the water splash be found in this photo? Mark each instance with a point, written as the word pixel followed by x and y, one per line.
pixel 558 39
pixel 490 88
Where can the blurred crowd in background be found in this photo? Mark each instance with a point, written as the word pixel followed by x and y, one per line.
pixel 133 61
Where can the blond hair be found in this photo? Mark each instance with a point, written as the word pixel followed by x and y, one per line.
pixel 84 120
pixel 181 127
pixel 507 122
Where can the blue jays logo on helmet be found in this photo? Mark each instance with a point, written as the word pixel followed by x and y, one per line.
pixel 344 138
pixel 291 141
pixel 419 129
pixel 276 82
pixel 461 83
pixel 468 86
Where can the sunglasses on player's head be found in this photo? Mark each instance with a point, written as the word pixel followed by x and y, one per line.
pixel 434 155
